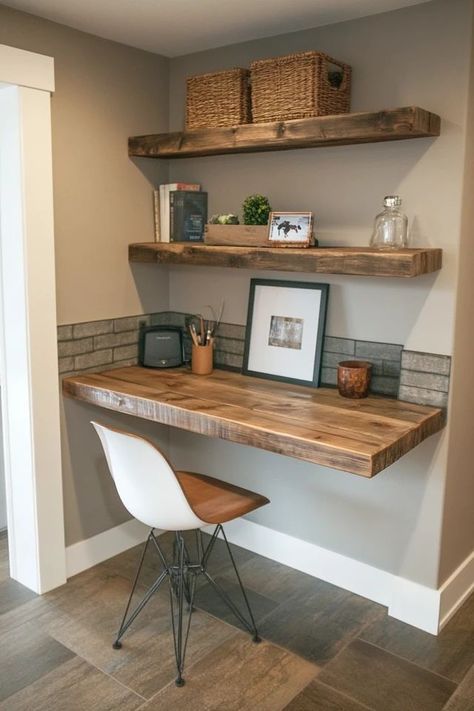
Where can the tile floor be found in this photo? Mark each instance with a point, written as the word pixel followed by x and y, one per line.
pixel 323 648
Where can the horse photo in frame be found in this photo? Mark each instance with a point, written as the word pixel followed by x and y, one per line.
pixel 290 229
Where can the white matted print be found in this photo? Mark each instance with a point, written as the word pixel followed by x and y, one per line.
pixel 285 328
pixel 292 228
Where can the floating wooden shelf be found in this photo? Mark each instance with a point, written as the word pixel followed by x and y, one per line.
pixel 315 424
pixel 361 261
pixel 343 129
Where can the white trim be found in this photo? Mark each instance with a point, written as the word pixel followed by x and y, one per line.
pixel 28 340
pixel 414 604
pixel 456 589
pixel 22 68
pixel 84 554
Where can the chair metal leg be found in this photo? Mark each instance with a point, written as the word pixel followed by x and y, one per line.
pixel 125 624
pixel 183 589
pixel 182 574
pixel 250 626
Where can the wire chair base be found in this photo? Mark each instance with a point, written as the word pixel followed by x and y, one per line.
pixel 182 574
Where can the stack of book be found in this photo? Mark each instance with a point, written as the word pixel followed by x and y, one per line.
pixel 180 212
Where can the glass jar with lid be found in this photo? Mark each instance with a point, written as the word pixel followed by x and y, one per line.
pixel 390 226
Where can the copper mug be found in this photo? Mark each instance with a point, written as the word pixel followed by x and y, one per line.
pixel 353 378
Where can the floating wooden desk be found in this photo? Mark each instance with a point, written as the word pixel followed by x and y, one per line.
pixel 358 436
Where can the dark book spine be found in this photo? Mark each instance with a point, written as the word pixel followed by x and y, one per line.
pixel 188 215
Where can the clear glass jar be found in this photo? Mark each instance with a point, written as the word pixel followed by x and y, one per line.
pixel 390 226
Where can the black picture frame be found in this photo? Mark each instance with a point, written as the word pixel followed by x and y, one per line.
pixel 324 290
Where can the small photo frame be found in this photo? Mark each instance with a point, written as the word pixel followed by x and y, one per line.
pixel 290 229
pixel 285 330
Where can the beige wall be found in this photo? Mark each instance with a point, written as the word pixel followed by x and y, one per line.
pixel 458 521
pixel 418 55
pixel 105 92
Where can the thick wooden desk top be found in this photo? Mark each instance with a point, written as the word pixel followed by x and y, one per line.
pixel 358 436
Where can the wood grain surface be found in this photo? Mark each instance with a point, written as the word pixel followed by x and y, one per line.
pixel 314 424
pixel 237 235
pixel 216 501
pixel 341 129
pixel 358 261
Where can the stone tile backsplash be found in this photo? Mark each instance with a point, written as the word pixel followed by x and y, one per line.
pixel 96 344
pixel 424 378
pixel 411 376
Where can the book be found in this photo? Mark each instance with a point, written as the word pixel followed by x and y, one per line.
pixel 188 215
pixel 165 191
pixel 156 215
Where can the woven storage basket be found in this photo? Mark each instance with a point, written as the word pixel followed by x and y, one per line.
pixel 299 86
pixel 218 99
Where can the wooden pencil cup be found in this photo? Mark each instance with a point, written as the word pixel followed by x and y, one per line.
pixel 353 378
pixel 201 359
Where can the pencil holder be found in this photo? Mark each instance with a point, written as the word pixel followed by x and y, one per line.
pixel 201 359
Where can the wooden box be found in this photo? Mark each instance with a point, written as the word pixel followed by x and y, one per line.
pixel 237 235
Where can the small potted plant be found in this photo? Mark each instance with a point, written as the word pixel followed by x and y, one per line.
pixel 226 229
pixel 256 210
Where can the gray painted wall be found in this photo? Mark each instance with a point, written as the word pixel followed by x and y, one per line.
pixel 418 55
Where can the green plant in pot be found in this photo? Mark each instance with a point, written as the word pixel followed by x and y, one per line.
pixel 256 210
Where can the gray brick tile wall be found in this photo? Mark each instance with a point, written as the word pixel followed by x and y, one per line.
pixel 92 328
pixel 93 360
pixel 72 348
pixel 328 376
pixel 66 365
pixel 126 353
pixel 64 333
pixel 378 351
pixel 112 340
pixel 412 376
pixel 130 323
pixel 344 346
pixel 429 381
pixel 422 396
pixel 426 362
pixel 89 346
pixel 424 378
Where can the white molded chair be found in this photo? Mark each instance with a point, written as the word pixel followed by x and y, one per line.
pixel 162 498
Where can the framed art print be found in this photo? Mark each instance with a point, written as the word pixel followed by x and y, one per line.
pixel 285 330
pixel 290 229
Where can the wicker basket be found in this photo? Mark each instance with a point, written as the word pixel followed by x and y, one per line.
pixel 299 86
pixel 218 99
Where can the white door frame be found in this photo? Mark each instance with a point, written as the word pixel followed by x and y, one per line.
pixel 28 340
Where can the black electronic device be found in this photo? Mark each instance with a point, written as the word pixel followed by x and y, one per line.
pixel 161 347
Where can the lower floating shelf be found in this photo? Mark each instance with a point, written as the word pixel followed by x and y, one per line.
pixel 315 424
pixel 359 261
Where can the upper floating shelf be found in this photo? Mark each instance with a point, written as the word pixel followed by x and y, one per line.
pixel 339 130
pixel 359 261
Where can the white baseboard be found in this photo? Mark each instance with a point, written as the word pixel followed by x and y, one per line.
pixel 417 605
pixel 456 589
pixel 85 554
pixel 410 602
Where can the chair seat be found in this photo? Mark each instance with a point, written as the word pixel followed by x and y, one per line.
pixel 216 501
